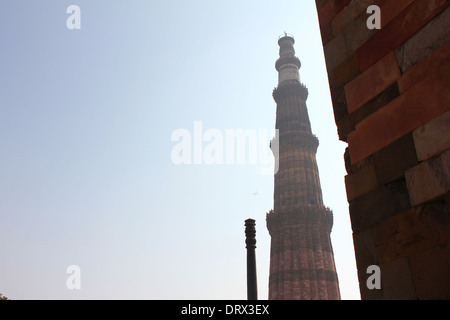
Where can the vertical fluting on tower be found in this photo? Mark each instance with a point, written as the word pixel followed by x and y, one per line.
pixel 301 260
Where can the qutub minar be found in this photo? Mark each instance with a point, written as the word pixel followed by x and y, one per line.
pixel 301 259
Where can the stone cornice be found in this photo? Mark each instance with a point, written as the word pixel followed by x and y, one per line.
pixel 294 215
pixel 290 89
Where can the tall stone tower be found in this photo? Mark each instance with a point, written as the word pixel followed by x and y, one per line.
pixel 301 259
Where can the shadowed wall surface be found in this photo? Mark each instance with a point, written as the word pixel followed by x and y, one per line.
pixel 390 90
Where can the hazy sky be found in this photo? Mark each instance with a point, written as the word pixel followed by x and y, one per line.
pixel 87 117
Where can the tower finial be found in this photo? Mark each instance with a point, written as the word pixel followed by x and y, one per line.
pixel 288 64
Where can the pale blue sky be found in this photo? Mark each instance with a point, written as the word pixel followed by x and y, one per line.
pixel 86 118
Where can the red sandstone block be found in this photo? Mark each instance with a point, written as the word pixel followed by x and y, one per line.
pixel 344 44
pixel 429 180
pixel 360 182
pixel 422 103
pixel 326 13
pixel 424 42
pixel 364 249
pixel 396 280
pixel 344 73
pixel 326 34
pixel 391 162
pixel 371 82
pixel 336 52
pixel 391 8
pixel 351 12
pixel 438 59
pixel 329 11
pixel 369 209
pixel 430 272
pixel 433 138
pixel 401 28
pixel 320 4
pixel 365 256
pixel 345 125
pixel 414 230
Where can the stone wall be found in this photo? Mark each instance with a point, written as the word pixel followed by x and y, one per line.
pixel 390 90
